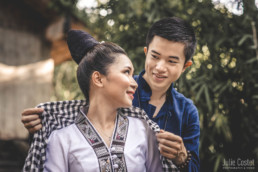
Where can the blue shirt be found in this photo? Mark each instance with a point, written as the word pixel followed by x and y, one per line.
pixel 178 115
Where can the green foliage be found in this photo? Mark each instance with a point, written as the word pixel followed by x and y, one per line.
pixel 65 82
pixel 223 80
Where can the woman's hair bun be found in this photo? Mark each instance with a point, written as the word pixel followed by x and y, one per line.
pixel 79 43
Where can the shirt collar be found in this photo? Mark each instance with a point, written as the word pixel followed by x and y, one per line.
pixel 144 88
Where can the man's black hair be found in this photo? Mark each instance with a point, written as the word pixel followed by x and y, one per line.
pixel 176 30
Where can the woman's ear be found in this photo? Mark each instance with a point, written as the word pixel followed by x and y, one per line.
pixel 97 79
pixel 188 64
pixel 145 49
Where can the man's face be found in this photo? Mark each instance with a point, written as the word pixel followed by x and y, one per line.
pixel 165 62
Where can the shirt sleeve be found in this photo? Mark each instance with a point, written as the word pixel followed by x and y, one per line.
pixel 191 136
pixel 56 154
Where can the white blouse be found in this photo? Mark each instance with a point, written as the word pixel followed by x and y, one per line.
pixel 68 150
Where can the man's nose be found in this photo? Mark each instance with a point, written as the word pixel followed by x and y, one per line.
pixel 161 66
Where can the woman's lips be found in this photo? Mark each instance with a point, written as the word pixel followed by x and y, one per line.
pixel 130 93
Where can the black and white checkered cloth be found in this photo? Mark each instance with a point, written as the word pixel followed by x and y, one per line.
pixel 61 114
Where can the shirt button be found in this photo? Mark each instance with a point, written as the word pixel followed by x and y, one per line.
pixel 114 157
pixel 115 165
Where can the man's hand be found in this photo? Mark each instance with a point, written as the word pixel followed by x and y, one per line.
pixel 30 119
pixel 172 147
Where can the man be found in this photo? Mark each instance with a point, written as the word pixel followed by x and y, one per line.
pixel 170 45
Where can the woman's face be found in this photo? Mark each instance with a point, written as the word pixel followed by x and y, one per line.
pixel 119 84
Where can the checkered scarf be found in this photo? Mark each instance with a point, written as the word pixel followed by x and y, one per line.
pixel 61 114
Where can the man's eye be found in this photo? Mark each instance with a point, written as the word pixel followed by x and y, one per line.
pixel 170 61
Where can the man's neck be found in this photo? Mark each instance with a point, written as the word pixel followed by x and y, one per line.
pixel 157 99
pixel 158 95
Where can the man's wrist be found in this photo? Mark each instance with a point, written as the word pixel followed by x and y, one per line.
pixel 185 162
pixel 181 157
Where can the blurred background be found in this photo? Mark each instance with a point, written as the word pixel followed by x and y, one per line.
pixel 35 66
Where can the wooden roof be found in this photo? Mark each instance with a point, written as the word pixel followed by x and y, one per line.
pixel 55 31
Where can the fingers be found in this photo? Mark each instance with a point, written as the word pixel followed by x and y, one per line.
pixel 31 111
pixel 167 151
pixel 169 136
pixel 30 119
pixel 35 128
pixel 162 131
pixel 169 146
pixel 26 119
pixel 32 123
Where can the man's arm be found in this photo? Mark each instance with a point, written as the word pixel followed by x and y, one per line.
pixel 30 119
pixel 174 147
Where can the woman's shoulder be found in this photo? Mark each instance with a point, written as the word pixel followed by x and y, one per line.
pixel 66 133
pixel 59 106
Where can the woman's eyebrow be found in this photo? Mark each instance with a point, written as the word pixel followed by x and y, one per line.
pixel 129 67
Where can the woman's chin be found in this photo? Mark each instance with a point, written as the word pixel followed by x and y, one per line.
pixel 126 105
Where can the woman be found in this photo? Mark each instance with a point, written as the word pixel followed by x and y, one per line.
pixel 103 138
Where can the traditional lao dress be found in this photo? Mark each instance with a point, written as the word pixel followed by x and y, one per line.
pixel 79 147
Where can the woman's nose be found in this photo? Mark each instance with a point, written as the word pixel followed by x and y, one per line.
pixel 134 84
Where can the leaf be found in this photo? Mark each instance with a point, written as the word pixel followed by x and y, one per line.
pixel 218 86
pixel 255 96
pixel 196 85
pixel 207 97
pixel 244 38
pixel 199 92
pixel 251 60
pixel 223 88
pixel 225 130
pixel 218 160
pixel 253 47
pixel 217 45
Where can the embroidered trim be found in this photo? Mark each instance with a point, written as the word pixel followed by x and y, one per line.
pixel 113 160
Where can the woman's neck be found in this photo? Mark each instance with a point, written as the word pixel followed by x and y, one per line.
pixel 102 114
pixel 103 118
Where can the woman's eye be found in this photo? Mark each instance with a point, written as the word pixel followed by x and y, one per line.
pixel 155 57
pixel 127 71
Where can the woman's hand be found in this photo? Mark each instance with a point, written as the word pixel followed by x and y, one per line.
pixel 30 119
